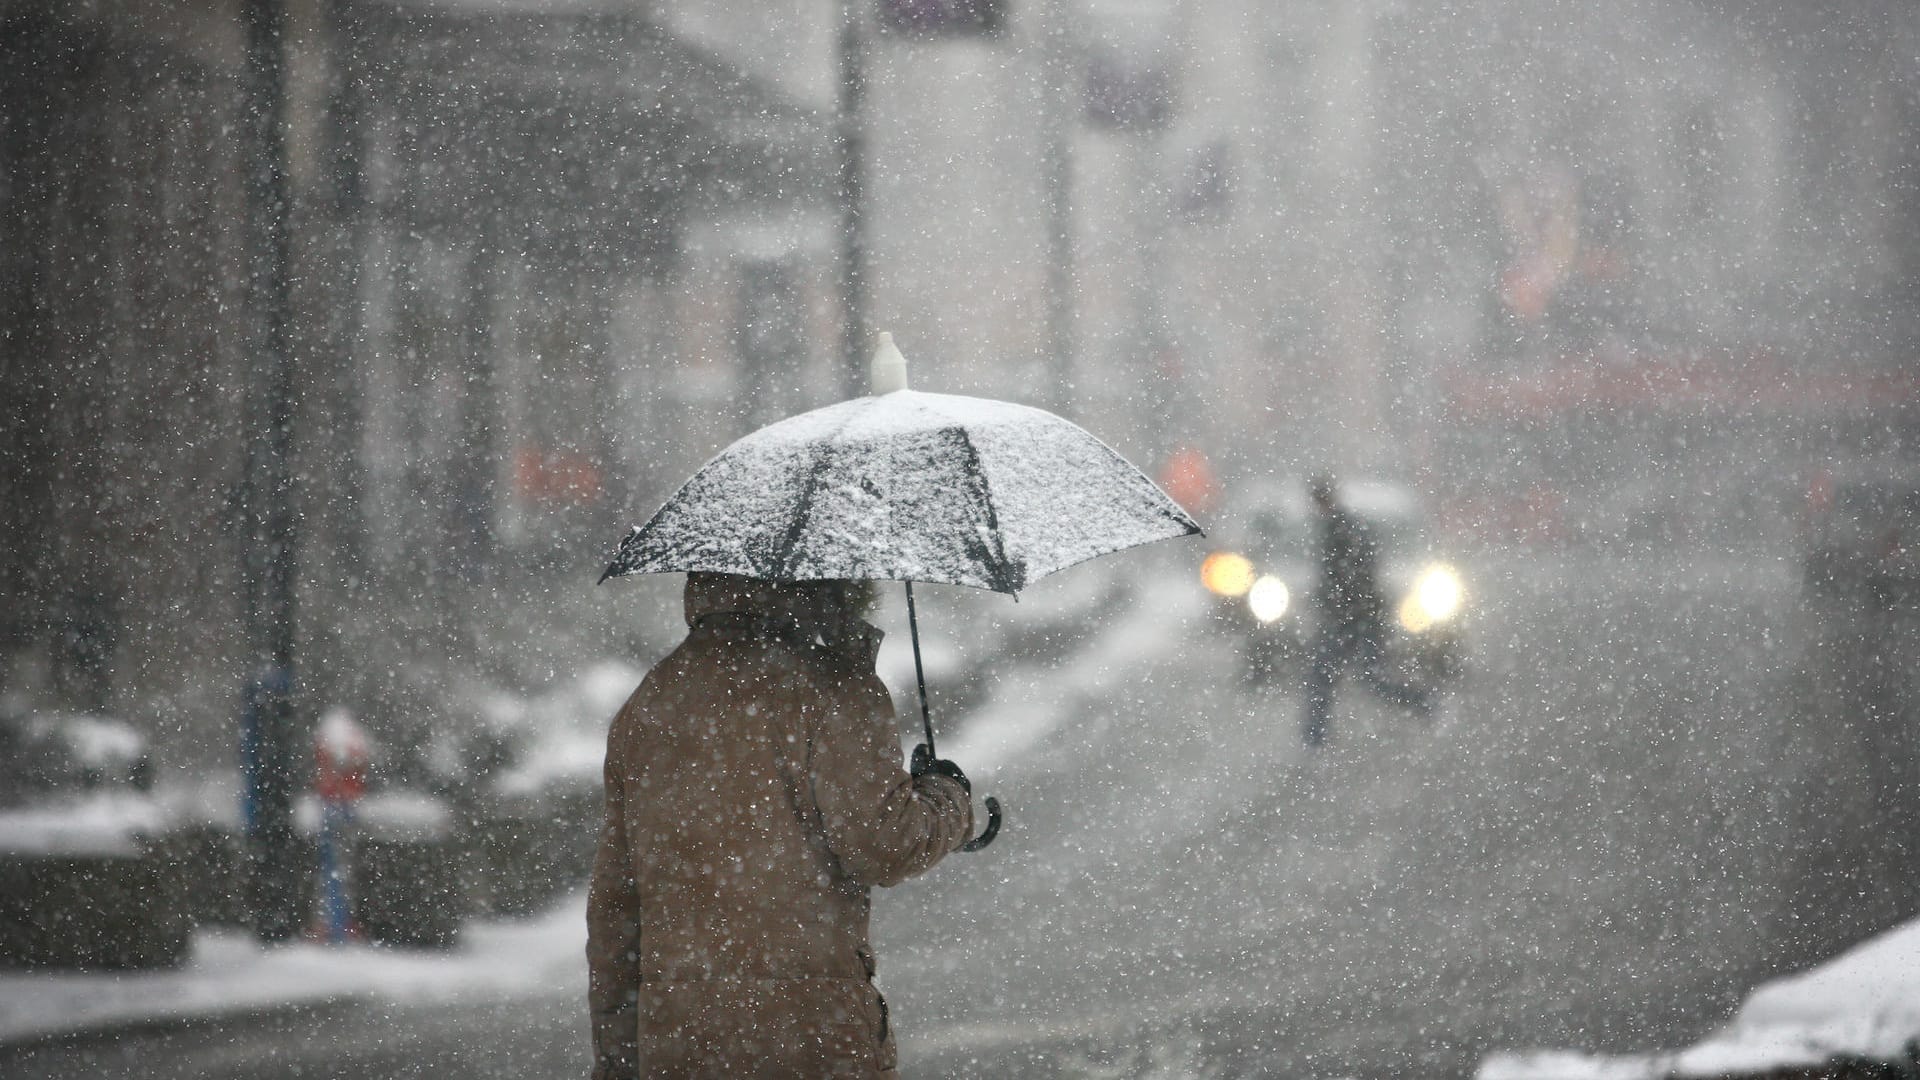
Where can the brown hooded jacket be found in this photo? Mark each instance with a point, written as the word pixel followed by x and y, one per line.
pixel 754 796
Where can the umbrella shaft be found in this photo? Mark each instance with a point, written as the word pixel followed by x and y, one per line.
pixel 919 673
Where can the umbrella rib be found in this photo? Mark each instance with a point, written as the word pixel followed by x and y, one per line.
pixel 623 558
pixel 983 491
pixel 803 508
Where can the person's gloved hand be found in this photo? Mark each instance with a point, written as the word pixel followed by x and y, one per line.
pixel 924 762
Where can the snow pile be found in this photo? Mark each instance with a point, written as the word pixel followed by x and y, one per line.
pixel 339 736
pixel 396 816
pixel 563 759
pixel 99 823
pixel 1021 717
pixel 567 730
pixel 1863 1004
pixel 231 973
pixel 100 742
pixel 74 784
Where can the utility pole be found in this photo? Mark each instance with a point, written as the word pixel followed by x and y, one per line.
pixel 473 494
pixel 1060 97
pixel 270 747
pixel 853 241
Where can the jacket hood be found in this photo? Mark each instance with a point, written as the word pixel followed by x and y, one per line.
pixel 711 594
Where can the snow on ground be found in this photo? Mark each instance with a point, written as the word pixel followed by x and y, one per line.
pixel 231 974
pixel 1020 716
pixel 1863 1004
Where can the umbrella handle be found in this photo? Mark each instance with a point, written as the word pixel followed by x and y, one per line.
pixel 992 830
pixel 926 720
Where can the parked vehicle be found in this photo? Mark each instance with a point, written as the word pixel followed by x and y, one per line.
pixel 1261 580
pixel 86 850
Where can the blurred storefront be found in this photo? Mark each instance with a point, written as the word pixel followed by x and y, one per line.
pixel 504 244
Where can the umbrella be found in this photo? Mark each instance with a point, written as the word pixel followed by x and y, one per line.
pixel 906 486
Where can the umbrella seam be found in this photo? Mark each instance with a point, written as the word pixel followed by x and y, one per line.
pixel 803 509
pixel 623 562
pixel 984 492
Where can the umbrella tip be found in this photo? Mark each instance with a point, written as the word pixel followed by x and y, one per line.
pixel 888 370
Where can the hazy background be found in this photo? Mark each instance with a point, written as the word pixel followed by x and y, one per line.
pixel 1586 273
pixel 1626 292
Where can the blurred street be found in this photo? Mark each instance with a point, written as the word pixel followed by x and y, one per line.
pixel 1594 845
pixel 1619 826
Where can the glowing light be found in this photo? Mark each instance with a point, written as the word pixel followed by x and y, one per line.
pixel 1436 597
pixel 1226 573
pixel 1268 598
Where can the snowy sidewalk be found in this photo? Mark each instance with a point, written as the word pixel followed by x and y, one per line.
pixel 1864 1005
pixel 232 974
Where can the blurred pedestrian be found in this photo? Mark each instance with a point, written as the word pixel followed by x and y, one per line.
pixel 755 795
pixel 1351 627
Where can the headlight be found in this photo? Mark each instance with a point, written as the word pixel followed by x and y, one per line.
pixel 1267 598
pixel 1436 597
pixel 1227 573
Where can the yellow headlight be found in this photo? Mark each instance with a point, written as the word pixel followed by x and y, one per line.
pixel 1435 598
pixel 1226 573
pixel 1267 598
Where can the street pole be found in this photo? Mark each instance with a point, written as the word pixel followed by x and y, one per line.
pixel 853 243
pixel 270 747
pixel 474 478
pixel 1058 112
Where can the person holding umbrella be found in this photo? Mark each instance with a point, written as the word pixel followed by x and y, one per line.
pixel 755 795
pixel 754 787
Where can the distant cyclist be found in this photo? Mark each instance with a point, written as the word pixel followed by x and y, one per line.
pixel 1352 615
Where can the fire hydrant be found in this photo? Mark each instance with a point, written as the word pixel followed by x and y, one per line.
pixel 342 756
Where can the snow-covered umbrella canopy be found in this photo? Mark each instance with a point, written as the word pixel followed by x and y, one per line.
pixel 906 486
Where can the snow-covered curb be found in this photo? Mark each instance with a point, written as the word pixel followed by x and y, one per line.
pixel 98 823
pixel 232 974
pixel 1864 1004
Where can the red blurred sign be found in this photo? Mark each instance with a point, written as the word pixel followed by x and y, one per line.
pixel 555 477
pixel 1189 480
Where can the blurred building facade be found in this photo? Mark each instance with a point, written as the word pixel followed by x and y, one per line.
pixel 1302 231
pixel 121 446
pixel 1320 206
pixel 524 243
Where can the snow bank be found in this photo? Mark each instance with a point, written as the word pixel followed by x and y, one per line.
pixel 1865 1003
pixel 1564 1065
pixel 1018 719
pixel 93 824
pixel 231 974
pixel 399 816
pixel 567 730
